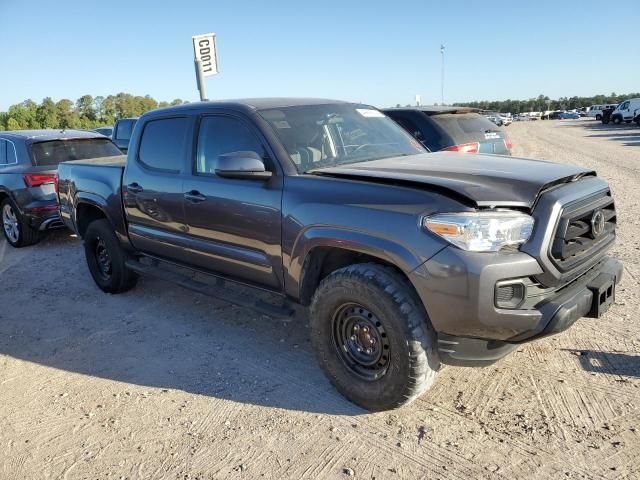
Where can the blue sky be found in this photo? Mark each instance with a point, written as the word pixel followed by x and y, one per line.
pixel 379 52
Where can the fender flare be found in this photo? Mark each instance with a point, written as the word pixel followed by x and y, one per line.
pixel 385 249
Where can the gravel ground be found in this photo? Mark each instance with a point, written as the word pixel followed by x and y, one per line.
pixel 164 383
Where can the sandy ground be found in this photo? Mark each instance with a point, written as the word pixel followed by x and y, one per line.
pixel 164 383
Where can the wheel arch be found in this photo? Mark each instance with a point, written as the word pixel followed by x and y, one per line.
pixel 88 208
pixel 324 250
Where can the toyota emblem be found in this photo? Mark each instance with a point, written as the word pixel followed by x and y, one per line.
pixel 597 223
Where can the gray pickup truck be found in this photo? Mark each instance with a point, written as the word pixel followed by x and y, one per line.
pixel 407 259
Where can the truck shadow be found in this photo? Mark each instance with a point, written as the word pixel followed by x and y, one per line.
pixel 627 133
pixel 157 335
pixel 611 363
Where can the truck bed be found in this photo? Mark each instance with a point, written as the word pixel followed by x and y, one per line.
pixel 96 180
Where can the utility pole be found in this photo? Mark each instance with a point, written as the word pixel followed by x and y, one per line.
pixel 202 85
pixel 442 75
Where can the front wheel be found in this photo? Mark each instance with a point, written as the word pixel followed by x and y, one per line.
pixel 106 258
pixel 617 120
pixel 372 337
pixel 598 117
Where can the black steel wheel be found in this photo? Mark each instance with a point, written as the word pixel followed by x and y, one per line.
pixel 372 336
pixel 103 259
pixel 361 341
pixel 106 258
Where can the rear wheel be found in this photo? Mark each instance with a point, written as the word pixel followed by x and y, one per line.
pixel 372 337
pixel 598 117
pixel 16 229
pixel 106 258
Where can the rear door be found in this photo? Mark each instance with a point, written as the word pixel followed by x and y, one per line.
pixel 152 186
pixel 234 225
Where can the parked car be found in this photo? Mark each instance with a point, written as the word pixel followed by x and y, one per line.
pixel 595 111
pixel 407 259
pixel 106 131
pixel 626 111
pixel 568 116
pixel 28 164
pixel 552 115
pixel 122 132
pixel 456 129
pixel 498 119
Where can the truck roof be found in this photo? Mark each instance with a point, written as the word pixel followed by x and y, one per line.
pixel 254 103
pixel 49 134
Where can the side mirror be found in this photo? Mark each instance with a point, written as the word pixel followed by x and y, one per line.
pixel 242 165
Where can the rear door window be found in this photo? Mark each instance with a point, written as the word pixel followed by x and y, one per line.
pixel 55 151
pixel 163 144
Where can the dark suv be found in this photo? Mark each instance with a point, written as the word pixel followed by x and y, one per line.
pixel 28 165
pixel 457 129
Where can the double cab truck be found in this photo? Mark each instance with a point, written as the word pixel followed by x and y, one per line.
pixel 407 260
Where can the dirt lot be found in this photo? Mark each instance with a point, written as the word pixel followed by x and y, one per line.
pixel 164 383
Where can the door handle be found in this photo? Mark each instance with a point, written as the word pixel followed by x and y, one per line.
pixel 194 196
pixel 134 188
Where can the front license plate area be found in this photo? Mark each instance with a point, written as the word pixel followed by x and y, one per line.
pixel 603 288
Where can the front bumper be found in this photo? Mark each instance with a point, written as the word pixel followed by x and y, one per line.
pixel 457 289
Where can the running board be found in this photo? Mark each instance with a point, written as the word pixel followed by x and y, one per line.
pixel 217 291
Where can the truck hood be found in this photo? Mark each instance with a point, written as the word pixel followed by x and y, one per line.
pixel 483 180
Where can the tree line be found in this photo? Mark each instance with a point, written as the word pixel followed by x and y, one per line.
pixel 542 103
pixel 86 112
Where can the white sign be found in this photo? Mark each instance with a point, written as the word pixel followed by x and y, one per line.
pixel 204 50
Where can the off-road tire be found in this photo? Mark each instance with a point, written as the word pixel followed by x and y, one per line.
pixel 26 234
pixel 412 360
pixel 118 278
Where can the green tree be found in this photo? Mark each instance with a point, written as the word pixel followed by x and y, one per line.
pixel 85 108
pixel 12 124
pixel 46 114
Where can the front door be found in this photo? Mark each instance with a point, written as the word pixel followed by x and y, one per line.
pixel 624 110
pixel 234 225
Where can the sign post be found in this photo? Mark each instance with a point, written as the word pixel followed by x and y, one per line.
pixel 205 59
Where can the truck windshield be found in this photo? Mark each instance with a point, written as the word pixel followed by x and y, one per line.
pixel 319 136
pixel 55 151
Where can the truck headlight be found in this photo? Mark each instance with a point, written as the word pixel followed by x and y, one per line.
pixel 481 231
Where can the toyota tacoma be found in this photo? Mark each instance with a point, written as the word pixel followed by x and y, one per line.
pixel 406 259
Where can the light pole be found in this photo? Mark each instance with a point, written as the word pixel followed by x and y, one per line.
pixel 442 75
